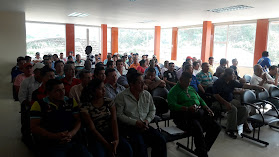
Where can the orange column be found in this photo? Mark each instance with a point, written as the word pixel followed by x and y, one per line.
pixel 206 38
pixel 211 42
pixel 157 38
pixel 114 40
pixel 104 36
pixel 261 39
pixel 70 38
pixel 174 43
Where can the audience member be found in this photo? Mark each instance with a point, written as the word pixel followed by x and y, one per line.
pixel 18 69
pixel 211 65
pixel 190 113
pixel 221 69
pixel 144 57
pixel 110 65
pixel 99 73
pixel 194 81
pixel 55 120
pixel 71 53
pixel 114 58
pixel 170 76
pixel 152 81
pixel 27 72
pixel 37 58
pixel 236 113
pixel 99 114
pixel 112 88
pixel 135 63
pixel 264 61
pixel 152 65
pixel 234 67
pixel 124 59
pixel 70 58
pixel 196 68
pixel 273 74
pixel 122 80
pixel 204 76
pixel 61 57
pixel 69 81
pixel 130 60
pixel 108 59
pixel 181 70
pixel 55 57
pixel 59 69
pixel 47 62
pixel 75 92
pixel 120 70
pixel 46 74
pixel 165 68
pixel 28 59
pixel 135 120
pixel 261 78
pixel 142 66
pixel 194 59
pixel 90 57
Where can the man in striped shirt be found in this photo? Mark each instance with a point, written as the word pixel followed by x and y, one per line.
pixel 204 76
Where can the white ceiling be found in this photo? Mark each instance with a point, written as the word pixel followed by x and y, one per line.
pixel 124 13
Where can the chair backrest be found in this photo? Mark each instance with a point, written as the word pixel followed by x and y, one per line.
pixel 159 91
pixel 274 91
pixel 247 78
pixel 161 105
pixel 249 97
pixel 262 95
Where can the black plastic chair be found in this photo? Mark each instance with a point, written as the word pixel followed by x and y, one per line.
pixel 162 110
pixel 247 78
pixel 259 119
pixel 274 96
pixel 161 92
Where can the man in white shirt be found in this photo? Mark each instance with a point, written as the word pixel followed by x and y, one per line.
pixel 120 70
pixel 260 78
pixel 165 68
pixel 196 68
pixel 273 74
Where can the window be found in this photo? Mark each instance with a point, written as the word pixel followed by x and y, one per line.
pixel 87 36
pixel 109 40
pixel 235 41
pixel 273 42
pixel 45 38
pixel 139 41
pixel 189 44
pixel 165 45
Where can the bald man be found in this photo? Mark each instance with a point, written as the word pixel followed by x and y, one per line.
pixel 260 78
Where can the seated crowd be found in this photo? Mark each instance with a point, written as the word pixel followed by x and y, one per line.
pixel 109 103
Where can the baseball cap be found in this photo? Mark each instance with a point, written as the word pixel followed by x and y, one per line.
pixel 38 66
pixel 37 53
pixel 27 64
pixel 189 57
pixel 129 56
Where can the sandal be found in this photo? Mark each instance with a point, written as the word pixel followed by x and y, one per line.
pixel 231 134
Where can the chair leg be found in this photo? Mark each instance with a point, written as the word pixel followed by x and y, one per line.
pixel 255 139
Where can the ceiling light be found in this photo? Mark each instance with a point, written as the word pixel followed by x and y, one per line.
pixel 76 14
pixel 132 0
pixel 231 8
pixel 147 21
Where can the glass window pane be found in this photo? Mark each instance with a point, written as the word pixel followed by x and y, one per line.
pixel 273 42
pixel 220 33
pixel 139 41
pixel 109 40
pixel 166 44
pixel 45 38
pixel 189 44
pixel 95 39
pixel 241 43
pixel 219 52
pixel 80 40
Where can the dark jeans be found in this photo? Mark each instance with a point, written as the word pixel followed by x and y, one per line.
pixel 196 124
pixel 124 149
pixel 141 140
pixel 65 150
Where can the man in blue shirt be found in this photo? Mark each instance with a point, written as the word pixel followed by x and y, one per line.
pixel 265 61
pixel 194 82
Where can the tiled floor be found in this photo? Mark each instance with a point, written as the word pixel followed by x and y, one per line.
pixel 11 145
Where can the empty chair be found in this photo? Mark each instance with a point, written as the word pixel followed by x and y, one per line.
pixel 247 78
pixel 162 109
pixel 259 119
pixel 159 91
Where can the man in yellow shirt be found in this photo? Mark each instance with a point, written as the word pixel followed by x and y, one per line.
pixel 211 67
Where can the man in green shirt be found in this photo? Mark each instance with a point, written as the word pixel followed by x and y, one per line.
pixel 190 113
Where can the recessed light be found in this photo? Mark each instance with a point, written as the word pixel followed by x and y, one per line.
pixel 76 14
pixel 231 8
pixel 132 0
pixel 147 21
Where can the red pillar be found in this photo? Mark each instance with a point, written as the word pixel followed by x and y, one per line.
pixel 206 41
pixel 114 40
pixel 211 42
pixel 70 38
pixel 157 38
pixel 104 51
pixel 261 38
pixel 174 43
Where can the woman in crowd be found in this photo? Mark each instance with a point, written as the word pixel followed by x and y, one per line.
pixel 99 114
pixel 142 66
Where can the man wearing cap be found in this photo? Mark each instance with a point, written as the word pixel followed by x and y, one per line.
pixel 130 60
pixel 37 58
pixel 144 57
pixel 27 87
pixel 27 72
pixel 108 59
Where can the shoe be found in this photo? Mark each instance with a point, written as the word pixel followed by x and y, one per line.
pixel 247 130
pixel 231 134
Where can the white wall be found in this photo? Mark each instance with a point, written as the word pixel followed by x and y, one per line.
pixel 12 45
